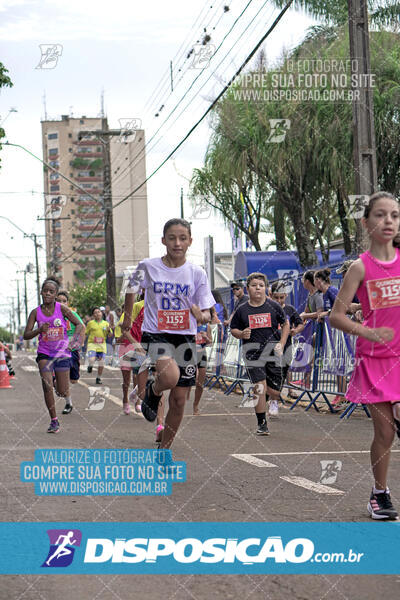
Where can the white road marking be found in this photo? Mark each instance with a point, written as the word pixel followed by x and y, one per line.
pixel 310 485
pixel 30 368
pixel 252 460
pixel 314 452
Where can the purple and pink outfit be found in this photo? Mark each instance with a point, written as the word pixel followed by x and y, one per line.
pixel 376 377
pixel 53 344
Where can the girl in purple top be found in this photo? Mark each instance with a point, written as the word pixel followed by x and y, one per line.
pixel 53 353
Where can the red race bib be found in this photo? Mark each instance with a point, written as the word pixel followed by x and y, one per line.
pixel 173 319
pixel 384 293
pixel 98 340
pixel 259 321
pixel 53 334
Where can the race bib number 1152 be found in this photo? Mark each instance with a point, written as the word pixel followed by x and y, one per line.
pixel 173 319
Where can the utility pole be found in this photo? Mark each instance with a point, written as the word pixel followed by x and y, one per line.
pixel 18 307
pixel 26 299
pixel 364 147
pixel 37 268
pixel 182 209
pixel 104 135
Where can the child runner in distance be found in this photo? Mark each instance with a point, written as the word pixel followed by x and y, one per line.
pixel 375 277
pixel 54 345
pixel 178 298
pixel 203 339
pixel 74 369
pixel 279 294
pixel 257 323
pixel 97 331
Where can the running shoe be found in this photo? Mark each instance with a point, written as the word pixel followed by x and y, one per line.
pixel 127 408
pixel 273 410
pixel 262 429
pixel 90 369
pixel 67 409
pixel 54 426
pixel 98 381
pixel 159 430
pixel 150 403
pixel 380 506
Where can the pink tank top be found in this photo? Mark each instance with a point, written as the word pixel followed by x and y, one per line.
pixel 379 294
pixel 55 341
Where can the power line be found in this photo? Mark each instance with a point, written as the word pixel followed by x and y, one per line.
pixel 186 93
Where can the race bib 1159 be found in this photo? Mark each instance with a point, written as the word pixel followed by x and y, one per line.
pixel 384 293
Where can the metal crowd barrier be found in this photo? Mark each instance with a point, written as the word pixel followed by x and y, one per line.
pixel 323 360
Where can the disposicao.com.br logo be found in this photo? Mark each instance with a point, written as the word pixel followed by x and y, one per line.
pixel 248 551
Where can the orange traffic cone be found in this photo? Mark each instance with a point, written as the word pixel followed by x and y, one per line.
pixel 4 376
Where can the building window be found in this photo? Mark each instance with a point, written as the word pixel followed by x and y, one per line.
pixel 52 136
pixel 54 163
pixel 81 121
pixel 53 151
pixel 70 135
pixel 84 174
pixel 54 188
pixel 54 176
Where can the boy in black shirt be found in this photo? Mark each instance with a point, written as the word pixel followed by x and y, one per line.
pixel 257 323
pixel 279 294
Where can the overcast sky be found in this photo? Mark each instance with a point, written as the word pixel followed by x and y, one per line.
pixel 124 47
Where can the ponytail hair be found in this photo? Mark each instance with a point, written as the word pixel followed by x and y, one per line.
pixel 324 274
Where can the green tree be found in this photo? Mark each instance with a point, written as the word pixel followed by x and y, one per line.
pixel 5 81
pixel 381 13
pixel 5 335
pixel 84 298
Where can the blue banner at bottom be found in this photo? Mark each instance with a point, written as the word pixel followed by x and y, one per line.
pixel 199 548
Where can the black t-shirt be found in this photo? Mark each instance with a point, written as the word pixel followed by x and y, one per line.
pixel 294 320
pixel 264 322
pixel 240 301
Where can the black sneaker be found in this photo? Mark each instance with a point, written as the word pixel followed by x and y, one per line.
pixel 150 402
pixel 397 423
pixel 380 506
pixel 90 369
pixel 262 429
pixel 67 409
pixel 98 381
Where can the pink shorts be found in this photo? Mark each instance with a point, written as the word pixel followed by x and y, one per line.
pixel 375 380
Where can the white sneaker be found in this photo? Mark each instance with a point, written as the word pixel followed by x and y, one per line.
pixel 273 408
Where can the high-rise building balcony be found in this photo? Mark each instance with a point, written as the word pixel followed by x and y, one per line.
pixel 89 178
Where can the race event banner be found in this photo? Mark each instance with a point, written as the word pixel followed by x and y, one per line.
pixel 198 548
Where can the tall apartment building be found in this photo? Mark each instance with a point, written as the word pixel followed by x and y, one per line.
pixel 72 213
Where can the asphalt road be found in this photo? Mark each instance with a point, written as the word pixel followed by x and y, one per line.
pixel 232 475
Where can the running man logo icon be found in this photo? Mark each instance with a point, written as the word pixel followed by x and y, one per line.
pixel 202 56
pixel 279 129
pixel 128 128
pixel 357 204
pixel 329 471
pixel 251 394
pixel 62 547
pixel 97 397
pixel 50 55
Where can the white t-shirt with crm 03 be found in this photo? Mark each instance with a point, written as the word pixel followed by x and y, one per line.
pixel 170 294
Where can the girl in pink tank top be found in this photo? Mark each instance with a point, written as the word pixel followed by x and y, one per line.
pixel 375 278
pixel 54 347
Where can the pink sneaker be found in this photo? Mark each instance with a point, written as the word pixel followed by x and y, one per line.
pixel 159 430
pixel 127 408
